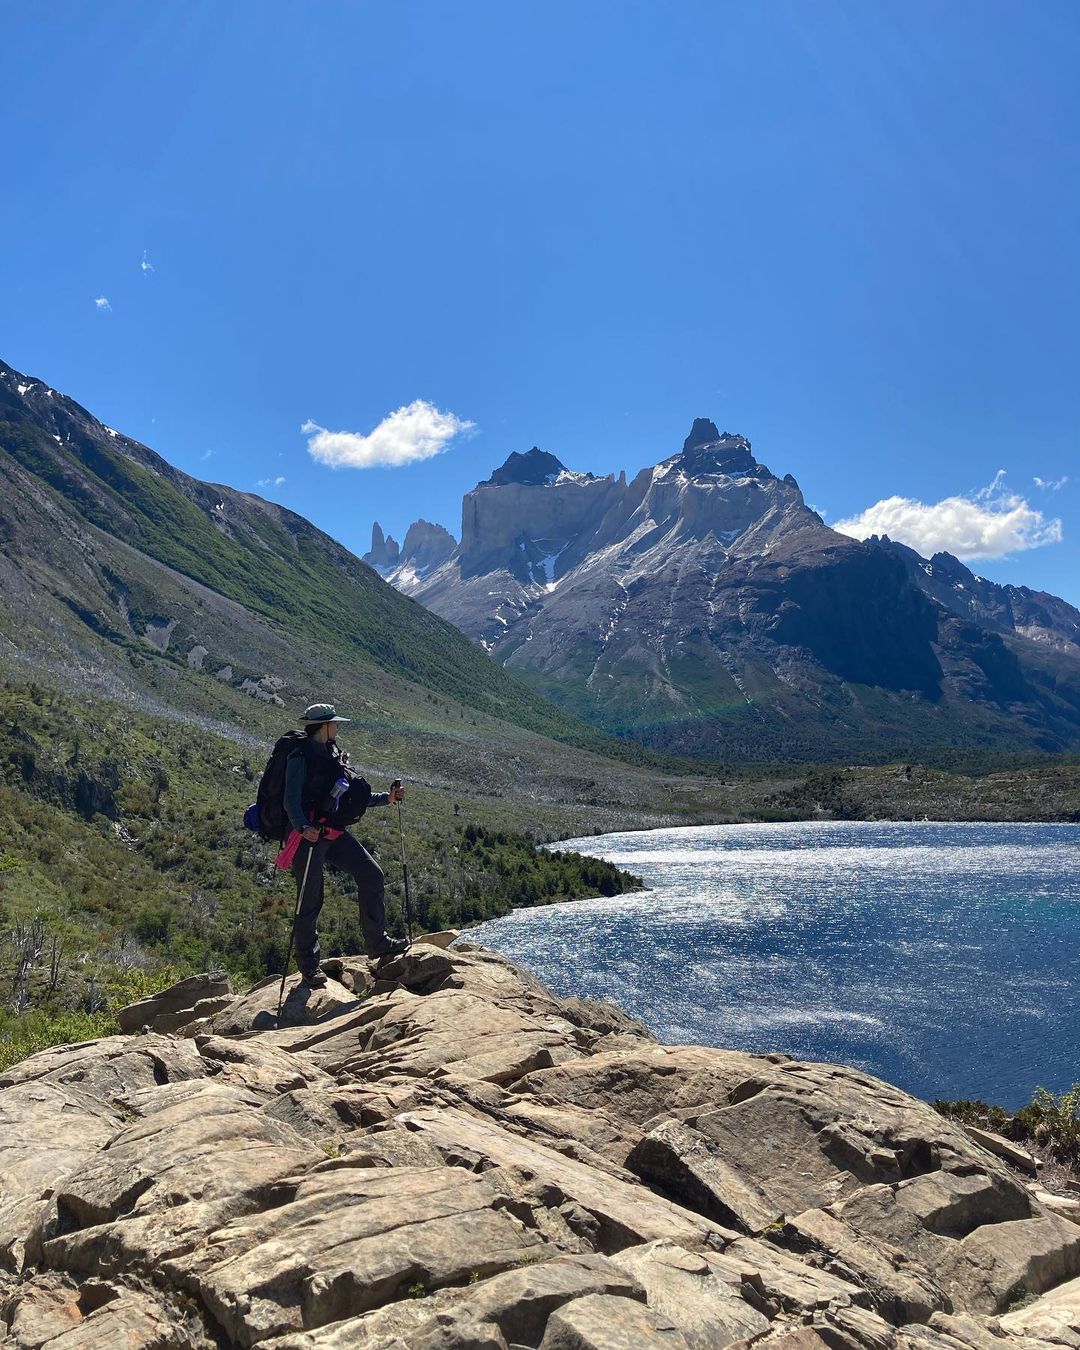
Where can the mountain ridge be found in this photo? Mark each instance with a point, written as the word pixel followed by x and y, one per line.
pixel 117 566
pixel 704 608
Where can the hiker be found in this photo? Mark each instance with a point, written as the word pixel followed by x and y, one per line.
pixel 312 770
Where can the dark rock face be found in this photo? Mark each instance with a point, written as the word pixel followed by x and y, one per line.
pixel 1043 618
pixel 439 1152
pixel 705 450
pixel 536 466
pixel 703 608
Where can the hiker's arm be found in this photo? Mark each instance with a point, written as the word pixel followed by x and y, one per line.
pixel 379 799
pixel 295 777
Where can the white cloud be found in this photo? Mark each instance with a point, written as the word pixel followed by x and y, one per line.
pixel 146 265
pixel 270 482
pixel 990 523
pixel 1051 484
pixel 102 302
pixel 415 432
pixel 205 454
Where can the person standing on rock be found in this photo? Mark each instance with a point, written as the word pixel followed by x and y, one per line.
pixel 311 772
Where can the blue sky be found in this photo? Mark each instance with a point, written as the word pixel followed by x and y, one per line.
pixel 848 230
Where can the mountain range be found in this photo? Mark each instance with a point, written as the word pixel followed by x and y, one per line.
pixel 703 608
pixel 700 608
pixel 123 577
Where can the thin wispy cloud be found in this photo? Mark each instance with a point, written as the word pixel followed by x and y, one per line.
pixel 990 523
pixel 102 303
pixel 146 265
pixel 1051 484
pixel 270 482
pixel 206 454
pixel 412 433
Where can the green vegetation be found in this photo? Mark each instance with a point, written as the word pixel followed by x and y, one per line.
pixel 125 864
pixel 280 567
pixel 1049 1123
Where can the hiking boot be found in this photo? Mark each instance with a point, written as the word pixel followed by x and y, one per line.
pixel 394 947
pixel 313 979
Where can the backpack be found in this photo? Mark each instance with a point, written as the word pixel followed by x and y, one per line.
pixel 266 816
pixel 352 805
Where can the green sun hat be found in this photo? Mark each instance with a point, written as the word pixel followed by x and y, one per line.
pixel 321 712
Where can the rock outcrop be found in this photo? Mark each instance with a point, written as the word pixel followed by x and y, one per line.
pixel 426 547
pixel 384 552
pixel 439 1152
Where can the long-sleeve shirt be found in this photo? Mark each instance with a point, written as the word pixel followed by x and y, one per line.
pixel 296 777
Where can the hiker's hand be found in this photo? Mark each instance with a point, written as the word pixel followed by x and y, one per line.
pixel 397 792
pixel 312 834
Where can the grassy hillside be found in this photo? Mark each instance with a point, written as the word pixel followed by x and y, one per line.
pixel 124 850
pixel 136 551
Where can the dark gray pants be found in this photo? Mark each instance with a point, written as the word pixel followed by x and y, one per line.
pixel 346 855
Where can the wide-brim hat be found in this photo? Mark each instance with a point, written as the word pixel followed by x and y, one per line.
pixel 321 712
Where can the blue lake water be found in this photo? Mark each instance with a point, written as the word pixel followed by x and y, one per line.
pixel 945 958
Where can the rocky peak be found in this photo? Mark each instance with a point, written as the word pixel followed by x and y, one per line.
pixel 703 432
pixel 531 469
pixel 427 545
pixel 707 450
pixel 384 551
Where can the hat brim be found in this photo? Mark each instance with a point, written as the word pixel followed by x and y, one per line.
pixel 321 721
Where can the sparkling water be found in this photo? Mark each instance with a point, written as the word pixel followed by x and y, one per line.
pixel 945 958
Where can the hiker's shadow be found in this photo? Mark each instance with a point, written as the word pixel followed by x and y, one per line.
pixel 294 1011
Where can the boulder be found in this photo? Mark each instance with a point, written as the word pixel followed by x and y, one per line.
pixel 441 939
pixel 1004 1148
pixel 690 1166
pixel 258 1066
pixel 257 1010
pixel 189 1000
pixel 698 1291
pixel 610 1322
pixel 1053 1317
pixel 46 1133
pixel 111 1068
pixel 899 1289
pixel 992 1267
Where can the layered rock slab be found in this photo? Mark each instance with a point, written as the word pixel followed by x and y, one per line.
pixel 439 1152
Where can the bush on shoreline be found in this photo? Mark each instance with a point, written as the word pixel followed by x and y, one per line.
pixel 1049 1123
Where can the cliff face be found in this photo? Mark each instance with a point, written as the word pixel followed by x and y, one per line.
pixel 704 608
pixel 441 1153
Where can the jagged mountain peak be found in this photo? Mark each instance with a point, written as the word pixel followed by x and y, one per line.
pixel 532 469
pixel 707 450
pixel 384 550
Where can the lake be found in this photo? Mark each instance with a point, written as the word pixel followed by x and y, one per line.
pixel 944 958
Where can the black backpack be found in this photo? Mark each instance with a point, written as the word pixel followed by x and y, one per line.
pixel 268 812
pixel 352 805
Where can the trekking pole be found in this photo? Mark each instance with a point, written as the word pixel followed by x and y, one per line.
pixel 404 866
pixel 292 930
